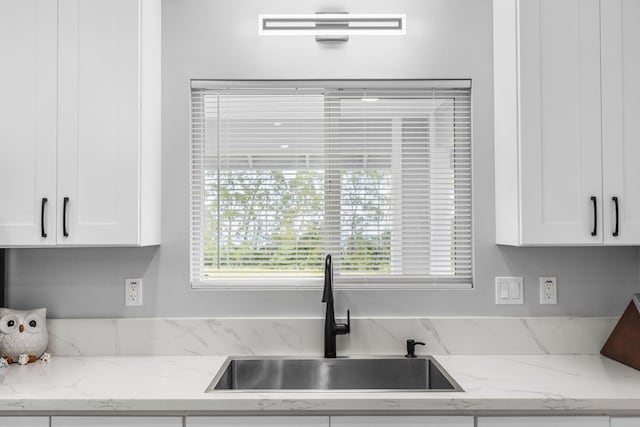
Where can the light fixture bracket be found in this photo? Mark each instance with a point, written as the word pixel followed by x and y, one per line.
pixel 327 25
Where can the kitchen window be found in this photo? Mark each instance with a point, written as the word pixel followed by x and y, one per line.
pixel 377 173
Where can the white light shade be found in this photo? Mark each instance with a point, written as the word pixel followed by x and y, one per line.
pixel 332 24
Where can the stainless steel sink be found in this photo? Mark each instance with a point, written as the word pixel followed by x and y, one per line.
pixel 311 374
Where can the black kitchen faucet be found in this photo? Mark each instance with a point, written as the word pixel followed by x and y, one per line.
pixel 331 328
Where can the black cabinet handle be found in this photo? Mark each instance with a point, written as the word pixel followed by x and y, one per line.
pixel 64 217
pixel 43 232
pixel 595 215
pixel 615 202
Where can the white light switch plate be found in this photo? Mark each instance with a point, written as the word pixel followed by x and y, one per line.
pixel 509 290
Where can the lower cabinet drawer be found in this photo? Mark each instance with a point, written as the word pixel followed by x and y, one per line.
pixel 401 421
pixel 116 422
pixel 24 421
pixel 543 422
pixel 257 421
pixel 625 422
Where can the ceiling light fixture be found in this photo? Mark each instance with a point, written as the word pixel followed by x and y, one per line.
pixel 336 26
pixel 369 99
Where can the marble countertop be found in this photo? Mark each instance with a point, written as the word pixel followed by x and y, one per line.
pixel 544 384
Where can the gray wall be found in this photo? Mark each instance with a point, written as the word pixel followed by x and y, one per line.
pixel 218 40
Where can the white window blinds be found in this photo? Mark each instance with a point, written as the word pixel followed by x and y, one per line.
pixel 379 176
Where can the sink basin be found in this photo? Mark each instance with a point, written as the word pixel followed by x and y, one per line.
pixel 316 374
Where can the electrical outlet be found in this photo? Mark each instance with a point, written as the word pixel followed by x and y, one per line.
pixel 133 292
pixel 548 290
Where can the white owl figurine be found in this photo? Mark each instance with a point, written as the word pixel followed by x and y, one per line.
pixel 23 332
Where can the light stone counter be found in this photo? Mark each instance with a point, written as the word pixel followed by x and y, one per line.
pixel 536 385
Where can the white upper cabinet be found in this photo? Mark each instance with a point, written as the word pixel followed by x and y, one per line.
pixel 84 124
pixel 560 167
pixel 98 126
pixel 566 104
pixel 28 34
pixel 547 116
pixel 620 115
pixel 103 139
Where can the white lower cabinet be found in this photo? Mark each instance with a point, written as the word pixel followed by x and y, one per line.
pixel 346 421
pixel 401 421
pixel 319 421
pixel 625 422
pixel 114 422
pixel 257 421
pixel 543 422
pixel 24 421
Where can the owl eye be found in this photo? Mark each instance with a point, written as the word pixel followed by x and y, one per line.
pixel 11 323
pixel 32 323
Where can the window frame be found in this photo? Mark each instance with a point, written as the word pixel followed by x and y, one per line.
pixel 304 283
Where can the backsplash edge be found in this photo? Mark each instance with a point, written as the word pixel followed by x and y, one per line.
pixel 303 336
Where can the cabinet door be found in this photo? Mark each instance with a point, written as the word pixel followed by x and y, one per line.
pixel 620 115
pixel 264 421
pixel 24 421
pixel 560 139
pixel 625 422
pixel 98 146
pixel 401 421
pixel 116 421
pixel 543 422
pixel 28 34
